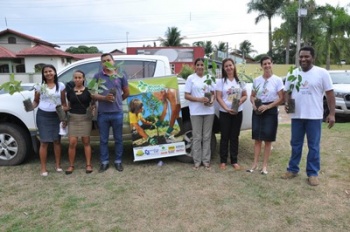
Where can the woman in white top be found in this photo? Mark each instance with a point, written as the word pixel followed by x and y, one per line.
pixel 202 114
pixel 269 89
pixel 229 89
pixel 47 96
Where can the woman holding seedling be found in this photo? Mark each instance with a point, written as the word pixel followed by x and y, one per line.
pixel 79 124
pixel 269 89
pixel 230 91
pixel 202 113
pixel 48 95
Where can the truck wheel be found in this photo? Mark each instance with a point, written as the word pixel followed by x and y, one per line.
pixel 14 144
pixel 188 144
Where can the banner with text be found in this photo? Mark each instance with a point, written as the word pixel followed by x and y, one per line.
pixel 154 114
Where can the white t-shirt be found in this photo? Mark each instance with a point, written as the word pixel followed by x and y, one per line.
pixel 230 90
pixel 309 99
pixel 196 87
pixel 268 89
pixel 49 98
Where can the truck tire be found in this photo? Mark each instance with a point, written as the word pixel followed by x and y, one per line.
pixel 188 144
pixel 14 144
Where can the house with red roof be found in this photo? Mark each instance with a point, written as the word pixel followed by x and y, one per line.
pixel 21 53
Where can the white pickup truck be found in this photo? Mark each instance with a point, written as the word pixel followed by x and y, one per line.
pixel 18 130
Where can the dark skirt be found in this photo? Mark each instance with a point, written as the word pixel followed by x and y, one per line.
pixel 79 125
pixel 264 126
pixel 48 125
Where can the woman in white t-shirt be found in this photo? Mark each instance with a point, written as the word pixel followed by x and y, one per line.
pixel 47 96
pixel 202 114
pixel 230 92
pixel 269 89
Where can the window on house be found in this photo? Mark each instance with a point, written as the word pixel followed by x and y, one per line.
pixel 172 68
pixel 38 67
pixel 4 68
pixel 20 68
pixel 12 40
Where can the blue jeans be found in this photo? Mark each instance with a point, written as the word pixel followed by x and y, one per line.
pixel 105 121
pixel 312 129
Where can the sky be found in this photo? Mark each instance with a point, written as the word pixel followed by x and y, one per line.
pixel 117 24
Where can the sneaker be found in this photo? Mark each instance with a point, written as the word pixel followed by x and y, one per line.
pixel 313 181
pixel 289 175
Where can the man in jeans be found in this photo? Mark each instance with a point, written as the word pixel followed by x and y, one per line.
pixel 110 112
pixel 308 115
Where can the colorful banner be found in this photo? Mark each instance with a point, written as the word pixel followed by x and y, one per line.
pixel 154 115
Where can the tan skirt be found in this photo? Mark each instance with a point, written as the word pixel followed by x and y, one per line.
pixel 79 125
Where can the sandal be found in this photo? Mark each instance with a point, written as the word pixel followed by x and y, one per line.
pixel 195 168
pixel 69 170
pixel 207 167
pixel 222 166
pixel 236 166
pixel 88 171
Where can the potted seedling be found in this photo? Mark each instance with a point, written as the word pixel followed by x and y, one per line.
pixel 118 70
pixel 237 93
pixel 210 78
pixel 257 100
pixel 14 86
pixel 295 82
pixel 95 86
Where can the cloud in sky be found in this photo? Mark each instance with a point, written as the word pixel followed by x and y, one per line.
pixel 112 24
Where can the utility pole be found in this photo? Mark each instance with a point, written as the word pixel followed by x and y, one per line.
pixel 301 13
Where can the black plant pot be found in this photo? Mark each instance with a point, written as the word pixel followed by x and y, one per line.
pixel 235 105
pixel 113 91
pixel 291 105
pixel 28 105
pixel 61 113
pixel 257 103
pixel 208 95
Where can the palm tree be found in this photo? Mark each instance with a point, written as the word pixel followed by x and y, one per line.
pixel 335 25
pixel 222 46
pixel 267 9
pixel 173 38
pixel 245 48
pixel 207 45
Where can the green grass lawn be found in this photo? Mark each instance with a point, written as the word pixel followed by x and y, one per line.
pixel 173 197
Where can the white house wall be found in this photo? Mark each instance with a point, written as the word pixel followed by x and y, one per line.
pixel 30 62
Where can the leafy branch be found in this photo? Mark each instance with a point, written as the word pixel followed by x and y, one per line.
pixel 12 86
pixel 210 74
pixel 295 81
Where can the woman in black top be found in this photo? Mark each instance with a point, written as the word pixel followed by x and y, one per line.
pixel 79 123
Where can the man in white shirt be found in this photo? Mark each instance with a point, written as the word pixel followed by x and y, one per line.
pixel 308 115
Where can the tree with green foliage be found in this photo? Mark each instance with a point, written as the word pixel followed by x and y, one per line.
pixel 334 23
pixel 207 45
pixel 245 48
pixel 185 71
pixel 266 9
pixel 172 38
pixel 82 49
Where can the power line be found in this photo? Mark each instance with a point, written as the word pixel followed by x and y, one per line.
pixel 150 40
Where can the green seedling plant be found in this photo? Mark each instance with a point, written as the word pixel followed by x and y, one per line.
pixel 12 86
pixel 96 86
pixel 210 74
pixel 115 67
pixel 295 81
pixel 210 77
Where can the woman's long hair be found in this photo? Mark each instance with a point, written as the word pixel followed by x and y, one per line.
pixel 224 74
pixel 43 79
